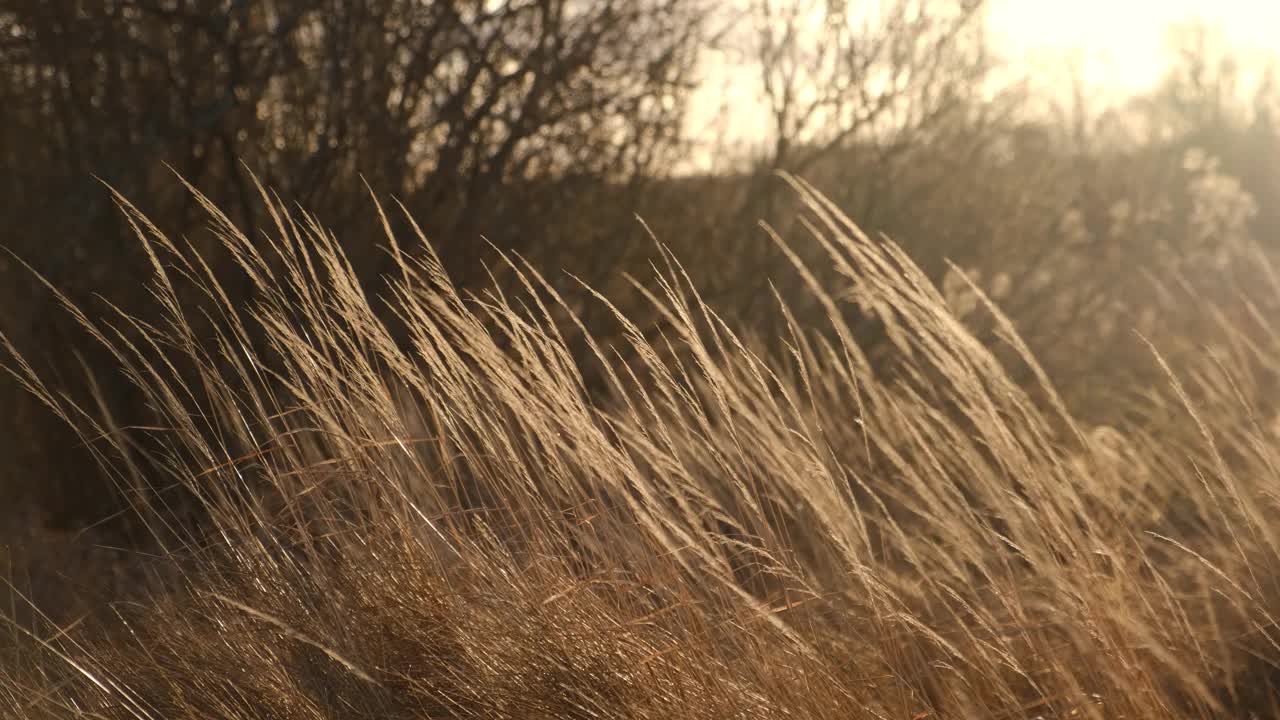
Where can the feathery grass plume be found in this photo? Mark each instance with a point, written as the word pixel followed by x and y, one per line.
pixel 417 506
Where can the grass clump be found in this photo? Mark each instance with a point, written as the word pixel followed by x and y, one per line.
pixel 448 505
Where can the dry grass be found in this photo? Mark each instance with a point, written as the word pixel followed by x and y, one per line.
pixel 447 521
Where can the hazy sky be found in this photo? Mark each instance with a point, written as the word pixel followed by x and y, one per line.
pixel 1119 46
pixel 1122 42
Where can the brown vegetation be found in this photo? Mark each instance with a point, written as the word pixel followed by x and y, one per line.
pixel 1008 453
pixel 453 523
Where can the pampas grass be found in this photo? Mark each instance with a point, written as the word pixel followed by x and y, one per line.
pixel 420 505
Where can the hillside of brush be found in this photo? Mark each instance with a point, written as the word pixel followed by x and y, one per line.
pixel 429 503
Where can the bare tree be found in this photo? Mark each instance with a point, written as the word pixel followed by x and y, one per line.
pixel 856 93
pixel 838 74
pixel 439 102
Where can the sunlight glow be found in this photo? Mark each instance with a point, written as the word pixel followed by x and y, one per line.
pixel 1115 48
pixel 1121 45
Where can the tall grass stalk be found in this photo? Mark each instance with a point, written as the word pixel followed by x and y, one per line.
pixel 449 505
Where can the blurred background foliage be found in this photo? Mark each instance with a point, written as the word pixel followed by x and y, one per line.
pixel 546 126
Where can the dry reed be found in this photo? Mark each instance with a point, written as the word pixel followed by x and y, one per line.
pixel 418 506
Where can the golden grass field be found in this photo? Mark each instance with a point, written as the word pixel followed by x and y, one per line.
pixel 433 504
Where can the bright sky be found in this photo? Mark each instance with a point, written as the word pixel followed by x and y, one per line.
pixel 1119 45
pixel 1122 42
